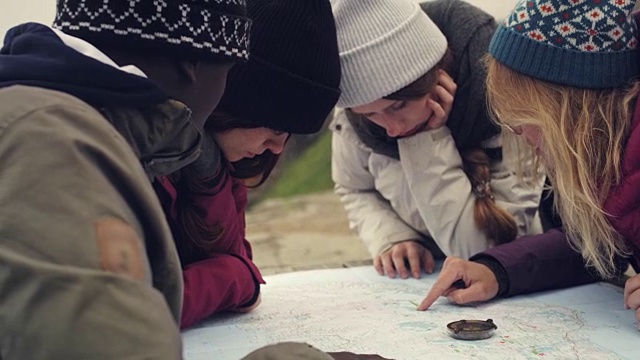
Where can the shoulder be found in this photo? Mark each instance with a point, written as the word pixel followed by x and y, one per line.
pixel 58 128
pixel 458 19
pixel 344 132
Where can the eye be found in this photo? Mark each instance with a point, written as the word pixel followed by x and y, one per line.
pixel 277 132
pixel 399 105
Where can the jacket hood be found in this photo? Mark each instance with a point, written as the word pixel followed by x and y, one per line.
pixel 34 55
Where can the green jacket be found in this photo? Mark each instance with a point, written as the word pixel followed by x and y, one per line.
pixel 88 268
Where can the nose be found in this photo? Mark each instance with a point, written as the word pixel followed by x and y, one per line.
pixel 394 127
pixel 276 143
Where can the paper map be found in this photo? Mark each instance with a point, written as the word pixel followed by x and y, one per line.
pixel 359 311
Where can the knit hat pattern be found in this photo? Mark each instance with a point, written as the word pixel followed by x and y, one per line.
pixel 292 80
pixel 385 45
pixel 581 43
pixel 190 29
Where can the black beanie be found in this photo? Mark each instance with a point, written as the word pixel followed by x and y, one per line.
pixel 184 29
pixel 291 82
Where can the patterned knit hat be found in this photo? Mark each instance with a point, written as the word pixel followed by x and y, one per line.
pixel 580 43
pixel 291 83
pixel 385 45
pixel 188 29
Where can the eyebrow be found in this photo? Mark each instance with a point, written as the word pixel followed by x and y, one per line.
pixel 372 113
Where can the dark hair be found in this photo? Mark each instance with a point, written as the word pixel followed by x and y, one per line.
pixel 497 223
pixel 196 235
pixel 252 171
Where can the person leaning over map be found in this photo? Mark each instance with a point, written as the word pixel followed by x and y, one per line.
pixel 91 111
pixel 564 75
pixel 416 159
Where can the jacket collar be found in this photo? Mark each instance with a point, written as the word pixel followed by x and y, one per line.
pixel 163 136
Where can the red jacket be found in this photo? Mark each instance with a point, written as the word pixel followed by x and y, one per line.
pixel 547 261
pixel 225 278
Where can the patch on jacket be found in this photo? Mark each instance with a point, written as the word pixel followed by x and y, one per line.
pixel 120 248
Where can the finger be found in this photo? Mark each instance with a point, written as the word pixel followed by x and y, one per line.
pixel 444 282
pixel 428 262
pixel 388 265
pixel 398 261
pixel 633 300
pixel 377 264
pixel 468 295
pixel 631 285
pixel 413 254
pixel 447 82
pixel 445 98
pixel 437 119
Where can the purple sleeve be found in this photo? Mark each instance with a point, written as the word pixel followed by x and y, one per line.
pixel 539 262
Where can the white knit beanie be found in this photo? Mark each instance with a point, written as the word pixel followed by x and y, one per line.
pixel 384 45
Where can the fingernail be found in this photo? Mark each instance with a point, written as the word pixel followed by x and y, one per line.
pixel 416 275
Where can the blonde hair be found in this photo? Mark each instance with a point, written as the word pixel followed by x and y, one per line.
pixel 583 132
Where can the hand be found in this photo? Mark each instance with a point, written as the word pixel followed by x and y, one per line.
pixel 481 283
pixel 351 356
pixel 632 296
pixel 441 100
pixel 251 307
pixel 393 260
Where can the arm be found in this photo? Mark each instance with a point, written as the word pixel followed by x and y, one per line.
pixel 536 263
pixel 525 265
pixel 227 279
pixel 78 220
pixel 219 283
pixel 370 216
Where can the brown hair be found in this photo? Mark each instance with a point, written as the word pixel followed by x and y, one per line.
pixel 588 129
pixel 196 234
pixel 495 222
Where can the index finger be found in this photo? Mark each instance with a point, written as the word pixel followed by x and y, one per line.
pixel 447 82
pixel 444 283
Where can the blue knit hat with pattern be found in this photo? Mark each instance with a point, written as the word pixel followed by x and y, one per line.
pixel 183 29
pixel 580 43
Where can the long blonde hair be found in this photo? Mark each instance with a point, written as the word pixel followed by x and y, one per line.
pixel 584 132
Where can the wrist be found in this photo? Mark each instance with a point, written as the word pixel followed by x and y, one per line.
pixel 500 273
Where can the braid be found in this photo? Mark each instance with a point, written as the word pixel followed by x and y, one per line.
pixel 497 224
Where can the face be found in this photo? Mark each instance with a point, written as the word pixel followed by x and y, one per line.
pixel 399 118
pixel 204 94
pixel 240 143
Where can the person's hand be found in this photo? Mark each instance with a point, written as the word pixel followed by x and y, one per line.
pixel 441 100
pixel 481 283
pixel 351 356
pixel 394 260
pixel 632 296
pixel 251 307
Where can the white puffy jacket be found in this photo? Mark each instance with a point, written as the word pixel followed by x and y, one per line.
pixel 427 194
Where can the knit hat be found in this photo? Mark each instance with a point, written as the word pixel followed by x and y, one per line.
pixel 291 83
pixel 385 45
pixel 187 29
pixel 580 43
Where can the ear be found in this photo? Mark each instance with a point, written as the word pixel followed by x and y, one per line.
pixel 188 69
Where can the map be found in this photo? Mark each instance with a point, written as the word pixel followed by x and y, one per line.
pixel 357 310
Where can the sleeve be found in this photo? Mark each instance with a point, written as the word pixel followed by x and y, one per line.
pixel 442 191
pixel 65 291
pixel 370 215
pixel 540 262
pixel 218 283
pixel 227 279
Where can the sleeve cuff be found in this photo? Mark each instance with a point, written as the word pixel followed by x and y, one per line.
pixel 498 270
